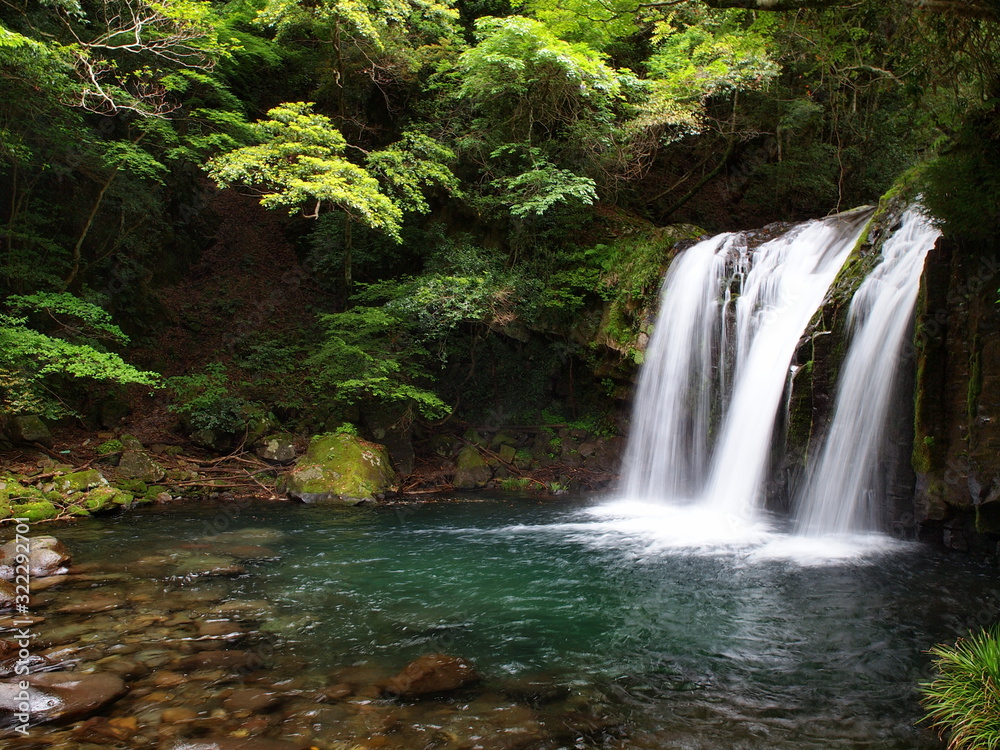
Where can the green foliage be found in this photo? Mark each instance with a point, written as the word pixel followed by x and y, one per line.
pixel 534 192
pixel 961 701
pixel 410 165
pixel 110 446
pixel 369 353
pixel 300 161
pixel 35 367
pixel 515 484
pixel 208 400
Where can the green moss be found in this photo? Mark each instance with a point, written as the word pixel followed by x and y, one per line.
pixel 340 467
pixel 133 486
pixel 40 511
pixel 105 498
pixel 110 446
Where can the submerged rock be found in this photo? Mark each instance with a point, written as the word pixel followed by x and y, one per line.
pixel 236 743
pixel 340 469
pixel 432 674
pixel 59 696
pixel 471 470
pixel 47 556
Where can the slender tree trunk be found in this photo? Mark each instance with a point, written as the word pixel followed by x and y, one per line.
pixel 78 247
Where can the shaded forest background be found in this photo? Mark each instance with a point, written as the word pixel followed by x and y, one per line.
pixel 330 212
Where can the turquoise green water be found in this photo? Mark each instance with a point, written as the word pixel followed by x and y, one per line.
pixel 673 647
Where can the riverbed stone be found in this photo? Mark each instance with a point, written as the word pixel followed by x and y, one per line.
pixel 432 674
pixel 235 743
pixel 471 471
pixel 277 449
pixel 47 556
pixel 254 700
pixel 61 696
pixel 340 469
pixel 105 498
pixel 8 594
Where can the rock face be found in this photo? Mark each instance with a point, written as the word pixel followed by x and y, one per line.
pixel 277 449
pixel 956 450
pixel 340 469
pixel 60 696
pixel 47 556
pixel 471 470
pixel 432 674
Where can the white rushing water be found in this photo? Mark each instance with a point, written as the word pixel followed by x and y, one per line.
pixel 843 489
pixel 711 387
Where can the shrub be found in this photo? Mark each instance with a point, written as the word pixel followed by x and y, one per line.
pixel 963 701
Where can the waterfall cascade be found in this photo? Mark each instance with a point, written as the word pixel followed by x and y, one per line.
pixel 709 392
pixel 718 363
pixel 843 490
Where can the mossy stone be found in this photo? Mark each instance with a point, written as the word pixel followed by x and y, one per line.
pixel 40 511
pixel 103 498
pixel 80 481
pixel 340 469
pixel 471 470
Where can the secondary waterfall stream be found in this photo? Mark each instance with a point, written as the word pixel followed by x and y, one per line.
pixel 843 490
pixel 717 366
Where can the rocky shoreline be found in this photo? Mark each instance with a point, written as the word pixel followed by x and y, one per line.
pixel 58 479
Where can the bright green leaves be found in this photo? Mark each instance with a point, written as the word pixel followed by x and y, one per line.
pixel 411 164
pixel 697 58
pixel 31 362
pixel 300 163
pixel 518 56
pixel 534 192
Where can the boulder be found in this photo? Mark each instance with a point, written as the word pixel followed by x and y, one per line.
pixel 340 469
pixel 471 471
pixel 139 466
pixel 59 696
pixel 431 674
pixel 30 429
pixel 103 498
pixel 211 440
pixel 277 449
pixel 47 556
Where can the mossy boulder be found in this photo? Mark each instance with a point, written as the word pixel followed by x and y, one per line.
pixel 80 481
pixel 138 465
pixel 30 429
pixel 278 448
pixel 340 469
pixel 39 511
pixel 104 498
pixel 471 471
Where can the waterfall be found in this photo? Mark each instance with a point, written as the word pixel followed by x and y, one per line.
pixel 710 390
pixel 842 491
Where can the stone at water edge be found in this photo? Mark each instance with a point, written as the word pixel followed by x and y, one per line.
pixel 340 469
pixel 471 470
pixel 235 743
pixel 47 556
pixel 60 696
pixel 432 674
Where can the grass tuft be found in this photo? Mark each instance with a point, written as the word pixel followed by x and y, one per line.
pixel 963 701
